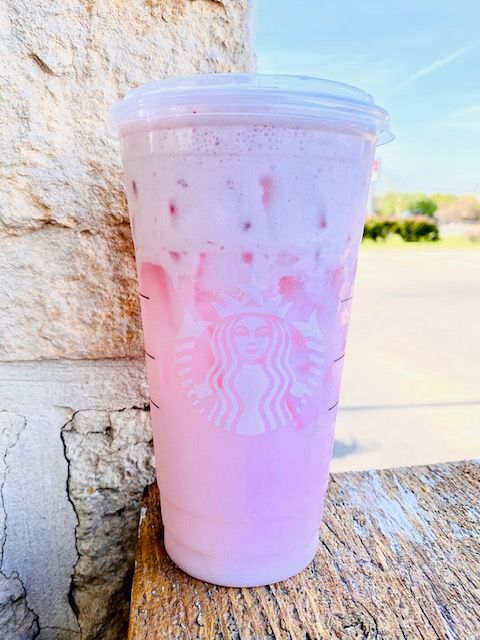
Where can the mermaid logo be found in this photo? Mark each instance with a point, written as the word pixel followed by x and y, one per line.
pixel 250 371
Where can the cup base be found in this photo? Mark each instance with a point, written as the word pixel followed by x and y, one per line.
pixel 227 572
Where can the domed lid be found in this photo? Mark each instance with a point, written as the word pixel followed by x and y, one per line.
pixel 236 95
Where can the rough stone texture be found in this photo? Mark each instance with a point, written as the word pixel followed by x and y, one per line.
pixel 68 292
pixel 82 541
pixel 11 426
pixel 110 461
pixel 17 620
pixel 61 68
pixel 40 544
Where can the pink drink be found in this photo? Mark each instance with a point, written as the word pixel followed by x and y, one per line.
pixel 246 230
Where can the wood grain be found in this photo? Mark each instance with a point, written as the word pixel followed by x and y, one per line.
pixel 399 558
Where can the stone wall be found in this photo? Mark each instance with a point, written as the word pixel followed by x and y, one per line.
pixel 75 442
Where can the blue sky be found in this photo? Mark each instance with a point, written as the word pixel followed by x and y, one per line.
pixel 420 59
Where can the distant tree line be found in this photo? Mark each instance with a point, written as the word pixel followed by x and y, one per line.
pixel 443 206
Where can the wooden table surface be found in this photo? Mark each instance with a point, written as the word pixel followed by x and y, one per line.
pixel 399 558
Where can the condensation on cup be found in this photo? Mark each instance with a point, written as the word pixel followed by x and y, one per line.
pixel 247 198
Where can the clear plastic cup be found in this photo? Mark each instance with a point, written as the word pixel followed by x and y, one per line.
pixel 247 199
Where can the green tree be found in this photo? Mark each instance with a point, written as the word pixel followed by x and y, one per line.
pixel 424 207
pixel 393 203
pixel 390 204
pixel 443 199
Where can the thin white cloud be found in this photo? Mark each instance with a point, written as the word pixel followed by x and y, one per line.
pixel 464 118
pixel 372 76
pixel 430 68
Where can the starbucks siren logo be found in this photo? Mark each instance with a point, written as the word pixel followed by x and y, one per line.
pixel 251 371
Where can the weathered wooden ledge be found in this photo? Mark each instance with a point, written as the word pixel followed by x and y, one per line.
pixel 399 558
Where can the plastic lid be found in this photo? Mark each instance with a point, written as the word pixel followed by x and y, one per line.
pixel 248 94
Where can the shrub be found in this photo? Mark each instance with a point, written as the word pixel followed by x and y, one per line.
pixel 415 229
pixel 379 228
pixel 418 229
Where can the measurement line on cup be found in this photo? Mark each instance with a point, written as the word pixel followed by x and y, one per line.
pixel 346 299
pixel 338 359
pixel 154 403
pixel 333 406
pixel 149 355
pixel 142 295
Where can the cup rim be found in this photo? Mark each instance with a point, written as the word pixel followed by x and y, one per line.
pixel 235 96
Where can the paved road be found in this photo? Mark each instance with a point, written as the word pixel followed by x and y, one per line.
pixel 411 387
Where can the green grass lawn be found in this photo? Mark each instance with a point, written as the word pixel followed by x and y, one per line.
pixel 395 242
